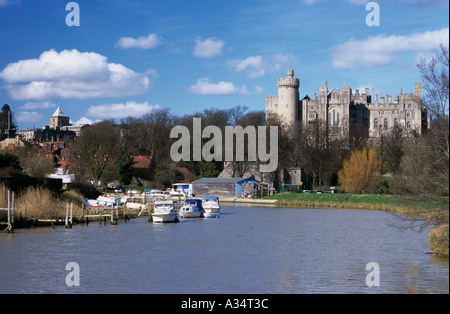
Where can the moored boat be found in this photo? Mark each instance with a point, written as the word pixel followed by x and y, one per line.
pixel 164 211
pixel 211 207
pixel 192 208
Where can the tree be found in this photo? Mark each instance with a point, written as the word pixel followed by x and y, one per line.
pixel 95 148
pixel 38 167
pixel 9 164
pixel 316 151
pixel 359 170
pixel 6 119
pixel 435 78
pixel 391 149
pixel 124 168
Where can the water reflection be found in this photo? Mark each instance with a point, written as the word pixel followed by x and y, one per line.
pixel 247 250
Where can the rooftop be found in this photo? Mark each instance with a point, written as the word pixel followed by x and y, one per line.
pixel 59 113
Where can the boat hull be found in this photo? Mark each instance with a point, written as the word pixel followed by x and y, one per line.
pixel 210 214
pixel 192 214
pixel 164 218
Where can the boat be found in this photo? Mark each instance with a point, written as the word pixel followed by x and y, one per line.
pixel 192 208
pixel 164 211
pixel 211 207
pixel 101 203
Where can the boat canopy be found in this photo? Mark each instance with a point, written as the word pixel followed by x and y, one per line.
pixel 193 201
pixel 211 198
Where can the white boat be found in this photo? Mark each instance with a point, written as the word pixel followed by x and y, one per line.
pixel 211 207
pixel 164 211
pixel 192 208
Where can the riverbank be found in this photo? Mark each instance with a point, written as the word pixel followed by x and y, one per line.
pixel 434 210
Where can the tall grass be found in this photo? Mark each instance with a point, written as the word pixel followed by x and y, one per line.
pixel 40 203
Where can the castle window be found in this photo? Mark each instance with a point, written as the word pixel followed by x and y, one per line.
pixel 376 124
pixel 409 106
pixel 386 123
pixel 408 114
pixel 408 125
pixel 396 123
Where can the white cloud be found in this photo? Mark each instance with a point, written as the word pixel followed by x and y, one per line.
pixel 258 66
pixel 121 111
pixel 205 87
pixel 239 65
pixel 27 116
pixel 151 41
pixel 71 74
pixel 4 3
pixel 208 48
pixel 381 50
pixel 259 90
pixel 84 121
pixel 37 105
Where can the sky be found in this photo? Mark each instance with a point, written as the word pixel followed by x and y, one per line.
pixel 128 58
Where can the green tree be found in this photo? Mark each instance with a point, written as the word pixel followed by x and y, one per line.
pixel 124 168
pixel 6 119
pixel 9 164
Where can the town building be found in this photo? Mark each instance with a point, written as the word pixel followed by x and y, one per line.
pixel 59 129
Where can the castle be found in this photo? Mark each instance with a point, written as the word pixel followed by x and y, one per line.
pixel 342 109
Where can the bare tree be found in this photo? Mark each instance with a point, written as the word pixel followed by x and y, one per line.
pixel 435 84
pixel 392 149
pixel 95 148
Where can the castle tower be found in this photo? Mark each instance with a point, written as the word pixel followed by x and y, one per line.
pixel 288 98
pixel 59 119
pixel 418 90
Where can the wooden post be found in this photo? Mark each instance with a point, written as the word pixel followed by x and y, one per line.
pixel 9 212
pixel 149 207
pixel 12 213
pixel 68 224
pixel 71 215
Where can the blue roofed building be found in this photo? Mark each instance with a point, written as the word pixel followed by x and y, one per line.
pixel 224 187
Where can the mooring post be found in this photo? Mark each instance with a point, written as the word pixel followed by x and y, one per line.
pixel 71 215
pixel 12 213
pixel 67 216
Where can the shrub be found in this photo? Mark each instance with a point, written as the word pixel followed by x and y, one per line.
pixel 359 170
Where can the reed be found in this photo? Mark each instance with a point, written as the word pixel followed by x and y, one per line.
pixel 40 203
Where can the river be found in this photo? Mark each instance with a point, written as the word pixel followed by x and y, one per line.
pixel 245 251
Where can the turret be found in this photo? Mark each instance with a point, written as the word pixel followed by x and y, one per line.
pixel 288 98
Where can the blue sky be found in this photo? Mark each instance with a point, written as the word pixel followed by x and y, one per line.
pixel 129 57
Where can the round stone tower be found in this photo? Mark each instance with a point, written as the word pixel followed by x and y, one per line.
pixel 288 98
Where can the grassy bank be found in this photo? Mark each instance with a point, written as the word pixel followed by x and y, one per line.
pixel 435 210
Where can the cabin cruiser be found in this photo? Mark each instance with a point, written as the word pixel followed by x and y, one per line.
pixel 211 207
pixel 164 211
pixel 192 208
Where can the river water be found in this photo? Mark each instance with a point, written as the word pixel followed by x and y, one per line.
pixel 246 251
